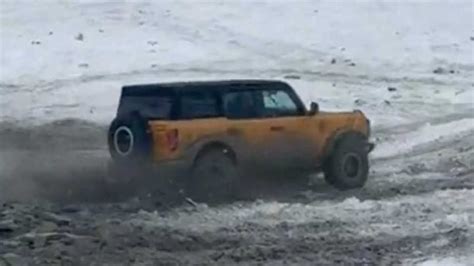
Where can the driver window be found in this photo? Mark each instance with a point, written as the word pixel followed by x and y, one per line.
pixel 278 103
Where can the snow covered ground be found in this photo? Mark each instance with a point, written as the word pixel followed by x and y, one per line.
pixel 62 65
pixel 69 58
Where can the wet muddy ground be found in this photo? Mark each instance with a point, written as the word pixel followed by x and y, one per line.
pixel 57 210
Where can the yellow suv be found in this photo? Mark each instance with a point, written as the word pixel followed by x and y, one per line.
pixel 212 133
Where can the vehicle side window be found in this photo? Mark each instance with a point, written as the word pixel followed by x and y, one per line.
pixel 240 105
pixel 150 106
pixel 278 103
pixel 158 107
pixel 196 104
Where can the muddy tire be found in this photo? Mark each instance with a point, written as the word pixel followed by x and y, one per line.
pixel 348 165
pixel 214 177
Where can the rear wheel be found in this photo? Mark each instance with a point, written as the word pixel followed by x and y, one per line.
pixel 348 165
pixel 129 147
pixel 214 176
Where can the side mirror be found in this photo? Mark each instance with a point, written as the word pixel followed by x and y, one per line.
pixel 313 108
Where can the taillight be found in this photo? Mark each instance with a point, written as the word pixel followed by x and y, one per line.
pixel 172 137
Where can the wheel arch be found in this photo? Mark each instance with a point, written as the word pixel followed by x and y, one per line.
pixel 335 138
pixel 215 145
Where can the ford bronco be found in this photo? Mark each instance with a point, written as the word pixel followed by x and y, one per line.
pixel 212 132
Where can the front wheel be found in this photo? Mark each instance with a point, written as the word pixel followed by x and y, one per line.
pixel 348 165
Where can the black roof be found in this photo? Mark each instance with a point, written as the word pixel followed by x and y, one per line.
pixel 217 84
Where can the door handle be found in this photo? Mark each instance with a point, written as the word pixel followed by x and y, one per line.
pixel 277 128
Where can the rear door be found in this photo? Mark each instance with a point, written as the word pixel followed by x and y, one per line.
pixel 244 125
pixel 198 117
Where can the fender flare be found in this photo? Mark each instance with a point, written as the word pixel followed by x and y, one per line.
pixel 335 138
pixel 215 145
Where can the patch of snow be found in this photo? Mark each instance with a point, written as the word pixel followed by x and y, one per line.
pixel 231 35
pixel 49 73
pixel 449 261
pixel 424 135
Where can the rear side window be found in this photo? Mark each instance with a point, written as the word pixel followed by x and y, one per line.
pixel 149 106
pixel 199 104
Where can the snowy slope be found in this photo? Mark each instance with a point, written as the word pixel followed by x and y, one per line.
pixel 379 36
pixel 47 67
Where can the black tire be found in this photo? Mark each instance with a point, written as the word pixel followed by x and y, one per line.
pixel 128 139
pixel 214 176
pixel 348 165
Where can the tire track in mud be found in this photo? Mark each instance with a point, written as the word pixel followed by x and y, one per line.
pixel 349 231
pixel 346 232
pixel 171 70
pixel 400 129
pixel 444 162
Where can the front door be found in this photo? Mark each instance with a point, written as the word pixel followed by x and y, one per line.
pixel 290 131
pixel 275 131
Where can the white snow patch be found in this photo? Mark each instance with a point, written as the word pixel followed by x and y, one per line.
pixel 232 35
pixel 63 76
pixel 449 261
pixel 428 133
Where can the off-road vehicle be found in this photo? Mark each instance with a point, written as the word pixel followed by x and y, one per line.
pixel 210 134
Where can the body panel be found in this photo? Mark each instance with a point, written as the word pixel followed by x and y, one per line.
pixel 277 143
